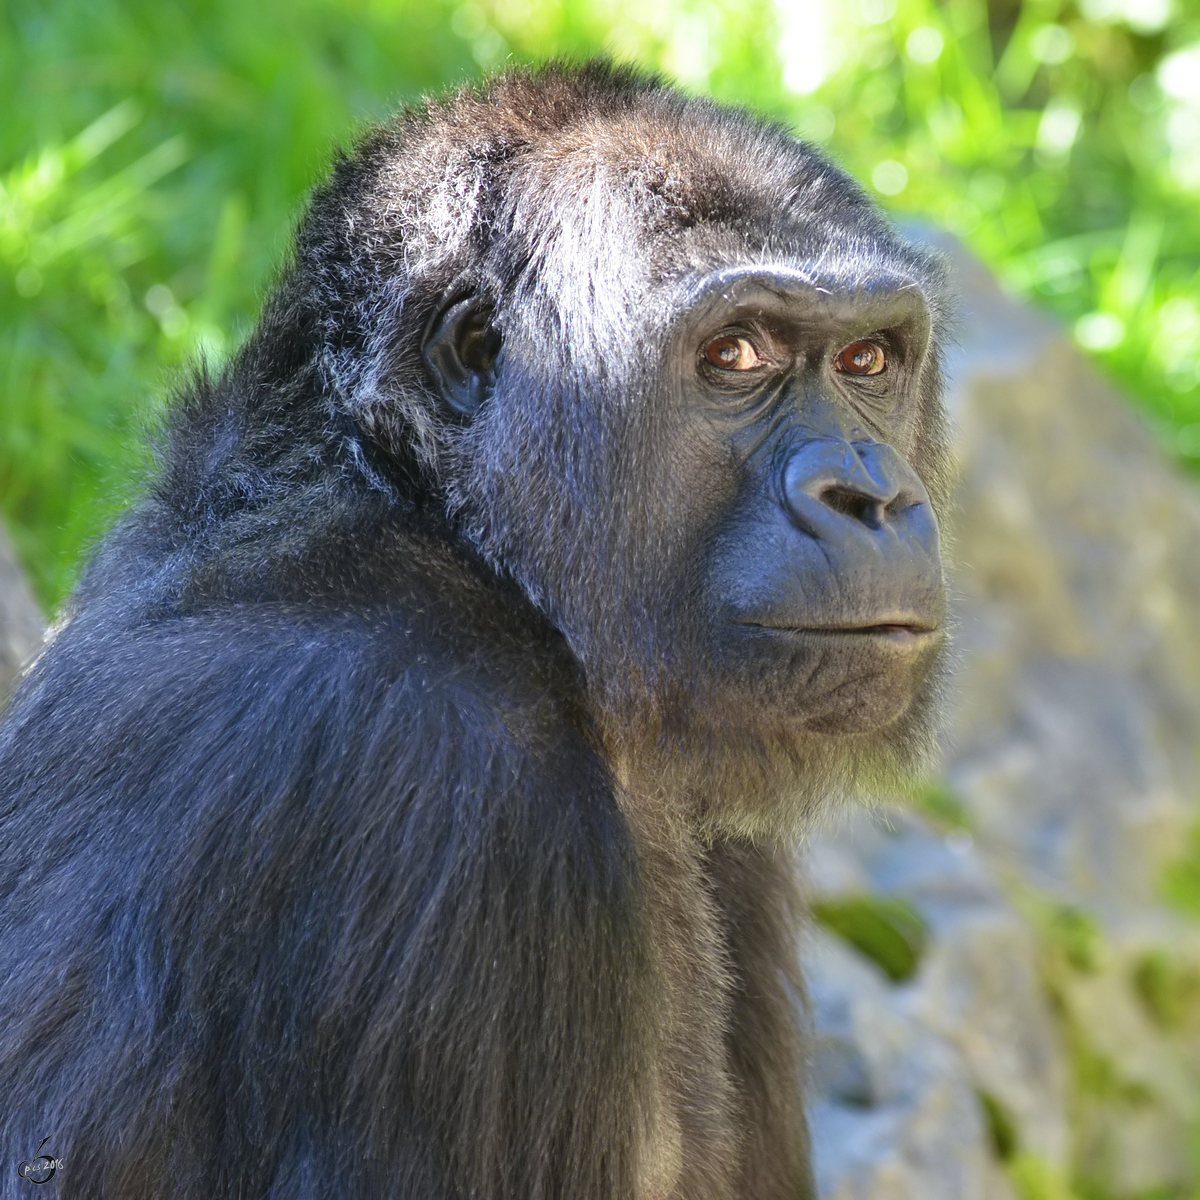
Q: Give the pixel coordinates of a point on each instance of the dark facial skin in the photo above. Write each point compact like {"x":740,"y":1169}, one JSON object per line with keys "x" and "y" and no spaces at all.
{"x":824,"y":575}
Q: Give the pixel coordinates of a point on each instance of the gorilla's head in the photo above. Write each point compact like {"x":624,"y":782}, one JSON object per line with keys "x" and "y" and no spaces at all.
{"x":672,"y":372}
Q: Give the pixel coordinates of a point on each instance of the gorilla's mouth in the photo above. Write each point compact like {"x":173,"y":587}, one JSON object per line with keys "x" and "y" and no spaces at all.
{"x":891,"y":629}
{"x":902,"y":628}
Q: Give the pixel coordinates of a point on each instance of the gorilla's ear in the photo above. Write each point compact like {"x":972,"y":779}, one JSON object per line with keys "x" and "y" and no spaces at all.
{"x":460,"y":349}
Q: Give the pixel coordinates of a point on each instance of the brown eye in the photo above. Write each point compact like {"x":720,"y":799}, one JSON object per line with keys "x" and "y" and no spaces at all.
{"x":861,"y":358}
{"x":732,"y":353}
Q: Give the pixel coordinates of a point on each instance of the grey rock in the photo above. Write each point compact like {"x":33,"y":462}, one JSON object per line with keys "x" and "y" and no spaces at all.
{"x":1077,"y":714}
{"x":978,"y":988}
{"x":896,"y":1115}
{"x":1139,"y":1137}
{"x":21,"y":623}
{"x":1077,"y":709}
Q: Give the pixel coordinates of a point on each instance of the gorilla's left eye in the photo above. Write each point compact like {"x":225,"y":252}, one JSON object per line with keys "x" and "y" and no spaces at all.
{"x":732,"y":353}
{"x":861,"y":358}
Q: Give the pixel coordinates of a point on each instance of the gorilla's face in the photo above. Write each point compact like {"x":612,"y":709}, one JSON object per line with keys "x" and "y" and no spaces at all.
{"x":797,"y":406}
{"x":708,"y":455}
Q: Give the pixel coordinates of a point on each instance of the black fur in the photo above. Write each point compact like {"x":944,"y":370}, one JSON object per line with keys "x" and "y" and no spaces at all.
{"x":338,"y":854}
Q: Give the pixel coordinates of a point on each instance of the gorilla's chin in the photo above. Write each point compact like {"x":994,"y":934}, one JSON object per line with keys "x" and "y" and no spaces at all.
{"x":858,"y":683}
{"x":826,"y":681}
{"x":758,"y":754}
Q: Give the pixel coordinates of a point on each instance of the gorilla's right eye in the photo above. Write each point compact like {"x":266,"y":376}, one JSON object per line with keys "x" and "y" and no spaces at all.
{"x":861,"y":358}
{"x":732,"y":353}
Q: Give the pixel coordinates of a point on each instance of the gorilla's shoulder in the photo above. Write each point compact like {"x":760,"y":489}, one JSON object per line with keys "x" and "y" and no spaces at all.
{"x":253,"y":707}
{"x":415,"y":620}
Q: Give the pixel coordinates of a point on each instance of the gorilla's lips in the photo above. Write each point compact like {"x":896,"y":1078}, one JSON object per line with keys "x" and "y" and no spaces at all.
{"x":895,"y":628}
{"x":909,"y":630}
{"x":915,"y":632}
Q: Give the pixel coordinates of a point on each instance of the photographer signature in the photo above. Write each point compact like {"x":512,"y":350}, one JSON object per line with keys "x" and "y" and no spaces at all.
{"x":40,"y":1168}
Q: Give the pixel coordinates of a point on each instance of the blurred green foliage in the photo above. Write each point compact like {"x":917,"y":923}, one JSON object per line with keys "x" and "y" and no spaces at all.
{"x":887,"y":929}
{"x":1181,"y":879}
{"x":939,"y":803}
{"x":1169,"y":989}
{"x":1070,"y":936}
{"x":154,"y":157}
{"x":1001,"y":1126}
{"x":1035,"y":1179}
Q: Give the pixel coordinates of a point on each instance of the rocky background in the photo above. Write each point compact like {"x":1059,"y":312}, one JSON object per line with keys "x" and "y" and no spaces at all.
{"x":1005,"y":967}
{"x":21,"y":622}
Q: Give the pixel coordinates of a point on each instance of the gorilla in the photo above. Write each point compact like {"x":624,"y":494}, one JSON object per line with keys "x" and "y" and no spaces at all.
{"x":402,"y":806}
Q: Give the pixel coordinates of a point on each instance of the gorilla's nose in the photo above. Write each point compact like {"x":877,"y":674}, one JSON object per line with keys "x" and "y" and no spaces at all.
{"x":829,"y":481}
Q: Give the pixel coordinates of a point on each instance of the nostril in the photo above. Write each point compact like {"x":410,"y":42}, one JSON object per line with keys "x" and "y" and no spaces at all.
{"x":867,"y":510}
